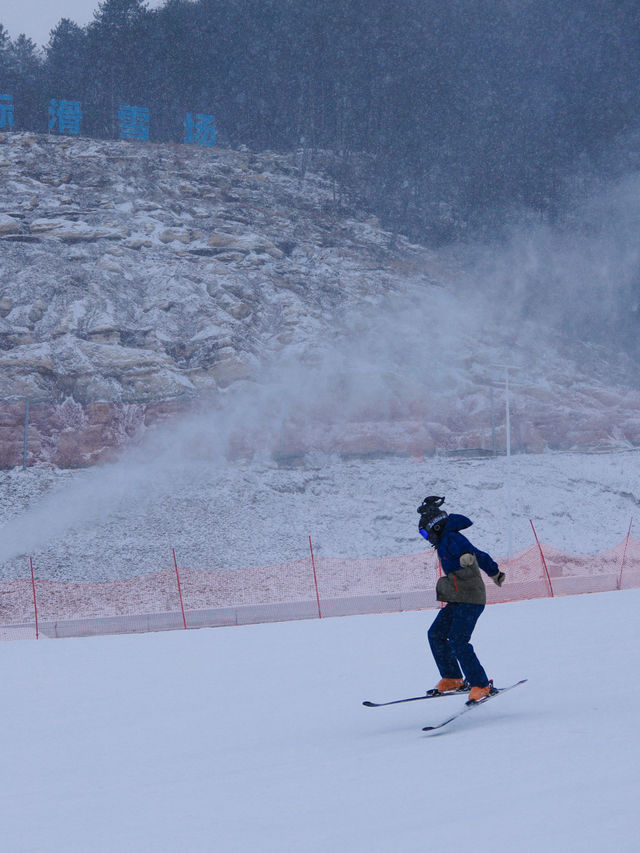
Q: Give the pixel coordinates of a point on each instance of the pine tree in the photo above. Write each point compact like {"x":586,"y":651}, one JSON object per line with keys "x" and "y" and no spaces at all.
{"x":66,"y":64}
{"x":117,"y":47}
{"x":25,"y":81}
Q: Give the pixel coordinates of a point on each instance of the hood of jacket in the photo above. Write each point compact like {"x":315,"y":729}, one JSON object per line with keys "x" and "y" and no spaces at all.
{"x":455,"y":522}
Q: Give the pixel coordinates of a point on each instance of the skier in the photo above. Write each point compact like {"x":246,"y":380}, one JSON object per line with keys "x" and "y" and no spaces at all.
{"x":463,"y":590}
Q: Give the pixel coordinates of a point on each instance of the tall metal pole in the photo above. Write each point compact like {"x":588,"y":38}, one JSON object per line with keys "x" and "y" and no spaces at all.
{"x":493,"y":425}
{"x":25,"y":442}
{"x":508,"y":471}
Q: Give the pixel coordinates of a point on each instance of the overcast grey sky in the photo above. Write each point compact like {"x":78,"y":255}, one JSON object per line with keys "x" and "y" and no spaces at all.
{"x":36,"y":18}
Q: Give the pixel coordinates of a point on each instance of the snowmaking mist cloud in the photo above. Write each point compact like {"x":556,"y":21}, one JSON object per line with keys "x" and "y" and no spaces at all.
{"x":578,"y":277}
{"x":380,"y":356}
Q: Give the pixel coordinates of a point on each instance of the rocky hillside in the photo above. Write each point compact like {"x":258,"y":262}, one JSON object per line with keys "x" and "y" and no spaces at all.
{"x":140,"y":280}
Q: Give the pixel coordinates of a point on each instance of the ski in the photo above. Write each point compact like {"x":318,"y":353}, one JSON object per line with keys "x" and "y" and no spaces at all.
{"x":468,"y":706}
{"x":368,"y":704}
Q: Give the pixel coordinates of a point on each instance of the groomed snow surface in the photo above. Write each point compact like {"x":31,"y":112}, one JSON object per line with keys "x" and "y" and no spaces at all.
{"x":255,"y":739}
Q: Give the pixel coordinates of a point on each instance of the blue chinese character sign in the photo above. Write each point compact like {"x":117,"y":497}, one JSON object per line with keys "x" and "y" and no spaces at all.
{"x":201,"y":130}
{"x":67,"y":115}
{"x":134,"y":122}
{"x":6,"y":110}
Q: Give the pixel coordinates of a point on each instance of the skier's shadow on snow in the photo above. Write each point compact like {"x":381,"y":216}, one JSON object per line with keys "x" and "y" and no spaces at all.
{"x":488,"y":723}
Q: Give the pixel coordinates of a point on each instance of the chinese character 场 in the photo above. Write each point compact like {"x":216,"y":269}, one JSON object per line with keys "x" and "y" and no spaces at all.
{"x":6,"y":110}
{"x":134,"y":122}
{"x":201,"y":130}
{"x":67,"y":115}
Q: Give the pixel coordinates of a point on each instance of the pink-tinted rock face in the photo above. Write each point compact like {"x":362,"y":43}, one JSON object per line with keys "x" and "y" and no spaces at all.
{"x":72,"y":434}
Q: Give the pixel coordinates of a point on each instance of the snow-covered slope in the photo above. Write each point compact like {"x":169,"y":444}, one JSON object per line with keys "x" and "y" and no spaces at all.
{"x":122,"y":520}
{"x":255,"y":738}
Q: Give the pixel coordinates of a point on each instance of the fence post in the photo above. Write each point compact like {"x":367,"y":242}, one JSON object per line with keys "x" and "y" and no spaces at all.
{"x":315,"y":578}
{"x":175,"y":563}
{"x":544,"y":562}
{"x":35,"y":603}
{"x":619,"y":584}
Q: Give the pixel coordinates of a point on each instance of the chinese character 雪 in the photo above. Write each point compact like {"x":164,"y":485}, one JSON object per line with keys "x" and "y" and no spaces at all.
{"x":134,"y":122}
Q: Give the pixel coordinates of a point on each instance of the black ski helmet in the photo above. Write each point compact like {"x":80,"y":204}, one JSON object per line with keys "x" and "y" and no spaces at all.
{"x":432,"y":516}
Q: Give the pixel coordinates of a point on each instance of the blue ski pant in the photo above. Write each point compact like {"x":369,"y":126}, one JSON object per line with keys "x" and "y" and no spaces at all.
{"x":449,"y":637}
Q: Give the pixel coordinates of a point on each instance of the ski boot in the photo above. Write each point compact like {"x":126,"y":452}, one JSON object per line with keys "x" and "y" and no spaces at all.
{"x":477,"y":694}
{"x":449,"y":685}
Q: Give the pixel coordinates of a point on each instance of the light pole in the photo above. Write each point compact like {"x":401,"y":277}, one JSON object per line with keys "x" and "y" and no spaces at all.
{"x":508,"y":469}
{"x":507,"y":476}
{"x":25,"y":441}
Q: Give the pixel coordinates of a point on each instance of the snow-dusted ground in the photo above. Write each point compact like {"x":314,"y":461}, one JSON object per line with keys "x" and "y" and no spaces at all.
{"x":254,"y":738}
{"x":121,"y":520}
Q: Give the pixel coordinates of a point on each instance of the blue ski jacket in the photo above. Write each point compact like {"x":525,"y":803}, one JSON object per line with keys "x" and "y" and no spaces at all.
{"x":453,"y":545}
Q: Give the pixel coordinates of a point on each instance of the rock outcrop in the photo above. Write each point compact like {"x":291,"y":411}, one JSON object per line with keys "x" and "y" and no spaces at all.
{"x":138,"y":278}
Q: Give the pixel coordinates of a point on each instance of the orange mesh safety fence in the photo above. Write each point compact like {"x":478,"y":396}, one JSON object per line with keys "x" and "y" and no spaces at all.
{"x":526,"y":578}
{"x":157,"y":600}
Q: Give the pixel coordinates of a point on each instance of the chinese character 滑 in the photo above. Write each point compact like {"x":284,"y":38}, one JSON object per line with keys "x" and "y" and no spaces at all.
{"x":201,"y":130}
{"x":134,"y":122}
{"x":6,"y":110}
{"x":66,"y":114}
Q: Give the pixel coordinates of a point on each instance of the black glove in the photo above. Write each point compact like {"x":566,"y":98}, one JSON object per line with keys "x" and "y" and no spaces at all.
{"x":499,"y":578}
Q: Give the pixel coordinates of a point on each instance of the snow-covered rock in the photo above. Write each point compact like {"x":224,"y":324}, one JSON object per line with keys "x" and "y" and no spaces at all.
{"x":70,"y":231}
{"x":8,"y":225}
{"x":136,"y":274}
